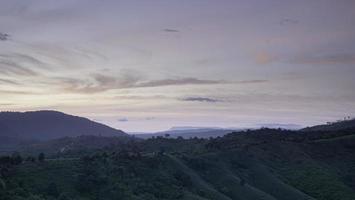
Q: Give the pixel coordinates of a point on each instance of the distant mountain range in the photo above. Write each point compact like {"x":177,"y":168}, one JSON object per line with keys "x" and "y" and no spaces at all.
{"x":46,"y":125}
{"x":207,"y":132}
{"x":188,"y":132}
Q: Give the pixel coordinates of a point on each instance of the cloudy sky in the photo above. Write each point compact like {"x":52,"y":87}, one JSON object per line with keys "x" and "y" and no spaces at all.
{"x":150,"y":65}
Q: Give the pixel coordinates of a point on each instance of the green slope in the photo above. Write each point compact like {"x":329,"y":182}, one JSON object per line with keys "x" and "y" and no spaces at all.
{"x":198,"y":182}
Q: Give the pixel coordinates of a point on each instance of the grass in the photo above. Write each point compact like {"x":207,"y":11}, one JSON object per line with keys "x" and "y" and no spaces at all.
{"x":319,"y":182}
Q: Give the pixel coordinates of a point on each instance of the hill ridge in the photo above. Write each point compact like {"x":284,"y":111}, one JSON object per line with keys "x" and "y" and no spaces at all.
{"x":49,"y":124}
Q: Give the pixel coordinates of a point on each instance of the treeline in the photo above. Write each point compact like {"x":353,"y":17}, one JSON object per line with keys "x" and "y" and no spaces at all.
{"x":16,"y":159}
{"x":7,"y":164}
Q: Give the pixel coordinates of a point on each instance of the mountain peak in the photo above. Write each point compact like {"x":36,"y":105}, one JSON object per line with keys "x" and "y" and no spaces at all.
{"x":50,"y":124}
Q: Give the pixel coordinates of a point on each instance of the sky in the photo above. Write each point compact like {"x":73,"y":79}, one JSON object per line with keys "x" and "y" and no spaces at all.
{"x":150,"y":65}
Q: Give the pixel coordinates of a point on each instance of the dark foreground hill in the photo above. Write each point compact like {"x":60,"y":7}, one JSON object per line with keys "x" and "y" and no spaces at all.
{"x":45,"y":125}
{"x":265,"y":164}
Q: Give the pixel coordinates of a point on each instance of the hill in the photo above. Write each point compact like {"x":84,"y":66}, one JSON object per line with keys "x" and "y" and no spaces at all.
{"x":263,"y":164}
{"x":333,"y":126}
{"x":46,"y":125}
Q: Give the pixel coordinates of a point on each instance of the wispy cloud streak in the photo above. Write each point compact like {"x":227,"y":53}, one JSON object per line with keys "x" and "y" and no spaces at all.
{"x":11,"y":82}
{"x":200,"y":99}
{"x":171,"y":30}
{"x":4,"y":36}
{"x":101,"y":83}
{"x":325,"y":59}
{"x":19,"y":64}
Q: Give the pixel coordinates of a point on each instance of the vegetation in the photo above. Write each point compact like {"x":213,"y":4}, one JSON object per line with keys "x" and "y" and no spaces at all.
{"x":265,"y":164}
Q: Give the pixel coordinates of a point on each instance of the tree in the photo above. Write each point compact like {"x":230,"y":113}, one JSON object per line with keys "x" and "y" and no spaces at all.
{"x":30,"y":159}
{"x":41,"y":157}
{"x":35,"y":197}
{"x":5,"y":160}
{"x":16,"y":159}
{"x":161,"y":151}
{"x":52,"y":190}
{"x":64,"y":196}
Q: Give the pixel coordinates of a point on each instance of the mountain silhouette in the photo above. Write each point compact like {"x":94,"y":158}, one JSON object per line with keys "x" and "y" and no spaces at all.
{"x":45,"y":125}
